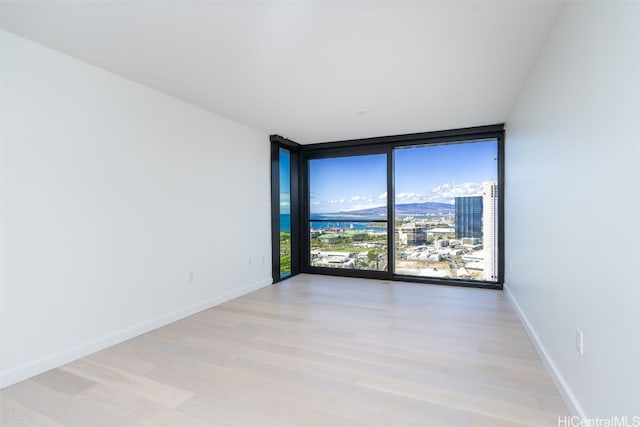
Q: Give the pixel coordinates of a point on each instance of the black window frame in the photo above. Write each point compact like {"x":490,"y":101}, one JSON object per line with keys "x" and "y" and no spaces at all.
{"x":277,"y":143}
{"x":376,"y":145}
{"x":305,"y":239}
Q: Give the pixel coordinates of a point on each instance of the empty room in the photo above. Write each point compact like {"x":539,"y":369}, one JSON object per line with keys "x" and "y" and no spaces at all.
{"x":319,"y":213}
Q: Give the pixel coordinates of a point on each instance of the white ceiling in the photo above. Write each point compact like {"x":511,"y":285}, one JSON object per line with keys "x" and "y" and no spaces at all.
{"x":312,"y":71}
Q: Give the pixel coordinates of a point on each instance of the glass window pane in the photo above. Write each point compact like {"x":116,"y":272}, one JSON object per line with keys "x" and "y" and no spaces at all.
{"x":446,"y":211}
{"x":285,"y":213}
{"x":348,"y":187}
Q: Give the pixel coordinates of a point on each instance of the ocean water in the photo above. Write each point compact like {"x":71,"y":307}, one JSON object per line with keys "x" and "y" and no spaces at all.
{"x":342,"y":223}
{"x":346,"y":225}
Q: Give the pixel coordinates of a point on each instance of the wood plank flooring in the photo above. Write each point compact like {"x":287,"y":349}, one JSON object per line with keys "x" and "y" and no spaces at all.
{"x":310,"y":351}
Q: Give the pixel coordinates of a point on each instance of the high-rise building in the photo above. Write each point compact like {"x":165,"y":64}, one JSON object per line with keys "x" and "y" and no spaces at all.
{"x":410,"y":234}
{"x":490,"y":229}
{"x":469,"y":217}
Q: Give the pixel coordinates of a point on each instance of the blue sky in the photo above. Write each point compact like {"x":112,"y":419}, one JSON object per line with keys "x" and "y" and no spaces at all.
{"x":422,"y":174}
{"x":285,"y":182}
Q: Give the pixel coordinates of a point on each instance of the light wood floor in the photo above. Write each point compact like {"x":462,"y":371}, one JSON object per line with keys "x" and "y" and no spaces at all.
{"x":311,"y":351}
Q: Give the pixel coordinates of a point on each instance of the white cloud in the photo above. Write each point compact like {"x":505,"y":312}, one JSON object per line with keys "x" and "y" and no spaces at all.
{"x":360,"y":206}
{"x":383,"y":195}
{"x":409,"y":196}
{"x":448,"y":192}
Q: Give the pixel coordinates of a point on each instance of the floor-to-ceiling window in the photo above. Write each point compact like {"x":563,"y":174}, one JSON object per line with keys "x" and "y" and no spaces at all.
{"x":424,"y":207}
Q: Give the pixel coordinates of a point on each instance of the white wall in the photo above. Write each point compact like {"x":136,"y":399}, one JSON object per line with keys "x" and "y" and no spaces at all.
{"x":573,"y":204}
{"x":111,"y":194}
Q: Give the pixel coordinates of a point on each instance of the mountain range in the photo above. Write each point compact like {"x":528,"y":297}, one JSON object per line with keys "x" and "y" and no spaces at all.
{"x":408,"y":209}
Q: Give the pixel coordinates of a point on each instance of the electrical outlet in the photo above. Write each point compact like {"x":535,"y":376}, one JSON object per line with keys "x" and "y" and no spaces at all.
{"x":249,"y":261}
{"x":579,"y":341}
{"x":190,"y":277}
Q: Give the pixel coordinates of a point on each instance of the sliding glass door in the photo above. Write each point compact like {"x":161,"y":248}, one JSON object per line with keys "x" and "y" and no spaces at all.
{"x":446,"y":211}
{"x":348,"y":224}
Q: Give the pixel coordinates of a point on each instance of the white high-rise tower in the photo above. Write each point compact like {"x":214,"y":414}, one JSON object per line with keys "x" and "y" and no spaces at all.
{"x":490,"y":229}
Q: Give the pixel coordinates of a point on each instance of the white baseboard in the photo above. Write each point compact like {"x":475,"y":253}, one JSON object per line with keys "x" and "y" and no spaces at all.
{"x":55,"y":360}
{"x":565,"y":391}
